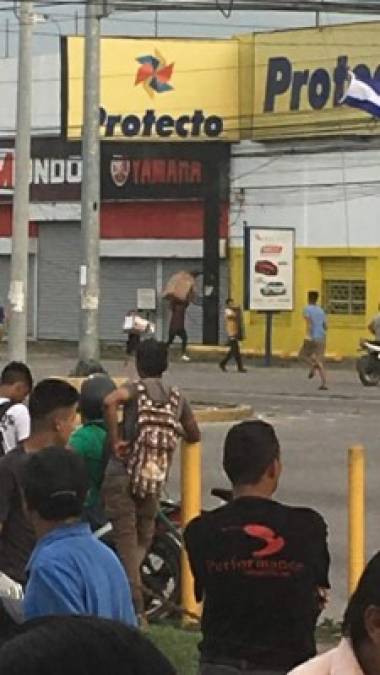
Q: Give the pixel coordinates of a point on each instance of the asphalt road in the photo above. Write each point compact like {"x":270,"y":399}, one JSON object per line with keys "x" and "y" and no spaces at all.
{"x":315,"y":429}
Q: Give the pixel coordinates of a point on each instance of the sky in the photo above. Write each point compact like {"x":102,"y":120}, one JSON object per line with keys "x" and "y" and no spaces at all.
{"x":59,"y":18}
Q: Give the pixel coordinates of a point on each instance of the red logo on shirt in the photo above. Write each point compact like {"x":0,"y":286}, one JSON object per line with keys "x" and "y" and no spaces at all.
{"x":272,"y":543}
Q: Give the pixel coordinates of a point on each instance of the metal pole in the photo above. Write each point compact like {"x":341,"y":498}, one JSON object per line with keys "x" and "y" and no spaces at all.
{"x":6,"y":48}
{"x":211,"y":253}
{"x":268,"y":338}
{"x":156,"y":25}
{"x":191,"y":501}
{"x":90,"y":233}
{"x":18,"y":288}
{"x":356,"y":515}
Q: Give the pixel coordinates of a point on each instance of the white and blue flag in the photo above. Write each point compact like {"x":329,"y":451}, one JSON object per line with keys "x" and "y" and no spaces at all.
{"x":363,"y":93}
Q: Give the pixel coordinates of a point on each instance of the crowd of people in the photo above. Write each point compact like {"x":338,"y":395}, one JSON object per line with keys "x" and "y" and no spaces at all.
{"x":260,"y":567}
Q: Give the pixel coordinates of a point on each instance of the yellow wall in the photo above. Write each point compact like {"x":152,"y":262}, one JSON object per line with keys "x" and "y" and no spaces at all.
{"x":288,"y":327}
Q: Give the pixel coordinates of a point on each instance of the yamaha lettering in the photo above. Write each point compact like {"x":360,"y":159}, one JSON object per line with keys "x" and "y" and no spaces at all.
{"x":164,"y":126}
{"x":129,"y":171}
{"x":321,"y":86}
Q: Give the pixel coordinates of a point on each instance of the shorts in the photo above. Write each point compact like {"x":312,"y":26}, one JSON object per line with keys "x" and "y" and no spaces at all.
{"x":313,"y":349}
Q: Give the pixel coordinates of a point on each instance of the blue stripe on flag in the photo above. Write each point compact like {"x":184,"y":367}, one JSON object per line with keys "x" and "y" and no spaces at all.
{"x":368,"y":106}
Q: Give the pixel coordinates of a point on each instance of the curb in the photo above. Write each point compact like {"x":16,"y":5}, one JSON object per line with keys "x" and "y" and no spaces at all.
{"x":207,"y":413}
{"x":216,"y":414}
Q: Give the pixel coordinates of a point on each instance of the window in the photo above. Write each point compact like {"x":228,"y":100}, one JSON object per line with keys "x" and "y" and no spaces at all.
{"x":345,"y":297}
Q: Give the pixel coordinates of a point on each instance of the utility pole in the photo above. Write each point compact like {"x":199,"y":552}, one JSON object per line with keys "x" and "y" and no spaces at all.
{"x":6,"y":47}
{"x":211,"y":255}
{"x":89,"y":352}
{"x":18,"y":288}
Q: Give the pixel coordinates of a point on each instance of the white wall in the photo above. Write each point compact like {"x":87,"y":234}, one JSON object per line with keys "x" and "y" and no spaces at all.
{"x":46,"y":95}
{"x":332,"y":199}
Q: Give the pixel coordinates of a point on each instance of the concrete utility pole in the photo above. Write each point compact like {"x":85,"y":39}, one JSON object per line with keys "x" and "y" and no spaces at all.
{"x":18,"y":288}
{"x":90,"y":232}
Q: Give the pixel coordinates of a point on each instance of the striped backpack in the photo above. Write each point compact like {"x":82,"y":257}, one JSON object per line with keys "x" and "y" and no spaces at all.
{"x":157,"y":433}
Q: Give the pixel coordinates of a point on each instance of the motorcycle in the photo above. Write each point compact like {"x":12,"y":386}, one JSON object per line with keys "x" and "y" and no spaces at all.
{"x":368,"y":365}
{"x":161,"y":569}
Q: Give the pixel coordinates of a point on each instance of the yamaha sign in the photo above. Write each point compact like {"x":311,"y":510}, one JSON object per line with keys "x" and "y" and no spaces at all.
{"x":128,"y":171}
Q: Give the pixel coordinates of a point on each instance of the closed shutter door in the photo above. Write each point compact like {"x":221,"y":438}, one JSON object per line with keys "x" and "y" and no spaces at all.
{"x":119,"y":280}
{"x":194,"y":314}
{"x":58,"y":281}
{"x":5,"y":268}
{"x":344,"y":269}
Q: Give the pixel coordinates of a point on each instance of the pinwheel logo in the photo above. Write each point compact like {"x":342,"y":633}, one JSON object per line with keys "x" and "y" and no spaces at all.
{"x":154,"y":74}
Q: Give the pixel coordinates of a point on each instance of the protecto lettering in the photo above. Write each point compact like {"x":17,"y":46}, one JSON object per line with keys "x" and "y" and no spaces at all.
{"x":320,"y":85}
{"x":163,"y":126}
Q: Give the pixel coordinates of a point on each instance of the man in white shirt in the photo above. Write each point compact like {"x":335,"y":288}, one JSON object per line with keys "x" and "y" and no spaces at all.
{"x":16,"y":383}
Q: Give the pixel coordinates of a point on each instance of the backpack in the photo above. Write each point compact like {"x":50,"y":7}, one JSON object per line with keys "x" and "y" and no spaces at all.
{"x":157,"y":433}
{"x":4,"y":407}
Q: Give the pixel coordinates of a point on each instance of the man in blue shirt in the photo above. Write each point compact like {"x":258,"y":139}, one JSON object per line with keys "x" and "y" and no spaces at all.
{"x":313,"y":349}
{"x":70,"y":571}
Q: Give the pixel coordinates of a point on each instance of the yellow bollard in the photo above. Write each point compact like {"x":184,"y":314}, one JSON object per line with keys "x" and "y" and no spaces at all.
{"x":356,"y":515}
{"x":191,"y":500}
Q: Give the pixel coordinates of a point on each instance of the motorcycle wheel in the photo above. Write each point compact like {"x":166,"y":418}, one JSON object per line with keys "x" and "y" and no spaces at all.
{"x":368,"y":376}
{"x":161,"y":575}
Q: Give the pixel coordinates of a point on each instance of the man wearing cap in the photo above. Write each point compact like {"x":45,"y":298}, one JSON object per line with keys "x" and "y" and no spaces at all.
{"x":260,"y":567}
{"x":70,"y":571}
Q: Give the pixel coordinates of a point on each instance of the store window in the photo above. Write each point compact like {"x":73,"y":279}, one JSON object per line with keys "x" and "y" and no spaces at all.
{"x":344,"y":286}
{"x":345,"y":297}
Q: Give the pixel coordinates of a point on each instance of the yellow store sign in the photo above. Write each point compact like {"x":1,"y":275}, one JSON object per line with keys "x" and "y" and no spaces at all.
{"x":161,"y":90}
{"x":299,"y":78}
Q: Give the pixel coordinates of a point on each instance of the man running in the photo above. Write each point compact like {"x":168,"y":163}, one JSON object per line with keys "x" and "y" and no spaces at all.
{"x":232,"y":317}
{"x":178,"y":308}
{"x":314,"y":346}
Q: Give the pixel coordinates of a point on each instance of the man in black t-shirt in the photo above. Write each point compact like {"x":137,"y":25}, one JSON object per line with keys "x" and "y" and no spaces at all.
{"x":260,"y":567}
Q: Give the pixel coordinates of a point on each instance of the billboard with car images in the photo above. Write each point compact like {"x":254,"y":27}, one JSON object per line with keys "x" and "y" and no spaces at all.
{"x":269,"y":269}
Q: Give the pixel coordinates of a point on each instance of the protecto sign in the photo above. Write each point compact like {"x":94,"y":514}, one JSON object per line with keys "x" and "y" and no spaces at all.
{"x":150,"y":125}
{"x":300,"y":77}
{"x":157,"y":90}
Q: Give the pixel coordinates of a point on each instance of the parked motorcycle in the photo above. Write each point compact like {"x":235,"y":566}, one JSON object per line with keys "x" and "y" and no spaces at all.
{"x":368,"y":365}
{"x":161,"y":569}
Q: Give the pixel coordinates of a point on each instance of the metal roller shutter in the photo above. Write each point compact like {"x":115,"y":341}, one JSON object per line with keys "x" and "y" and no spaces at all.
{"x":343,"y":268}
{"x":119,"y":280}
{"x":5,"y":267}
{"x":194,"y":316}
{"x":58,"y":281}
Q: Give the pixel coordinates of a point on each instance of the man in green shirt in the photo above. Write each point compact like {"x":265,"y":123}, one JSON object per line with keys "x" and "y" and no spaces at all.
{"x":89,"y":439}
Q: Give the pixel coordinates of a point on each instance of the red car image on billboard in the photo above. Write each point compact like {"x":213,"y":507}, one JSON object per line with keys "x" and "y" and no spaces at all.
{"x":266,"y":267}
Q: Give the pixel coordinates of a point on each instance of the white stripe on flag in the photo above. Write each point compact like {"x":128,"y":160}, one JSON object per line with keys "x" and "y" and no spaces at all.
{"x":361,"y":92}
